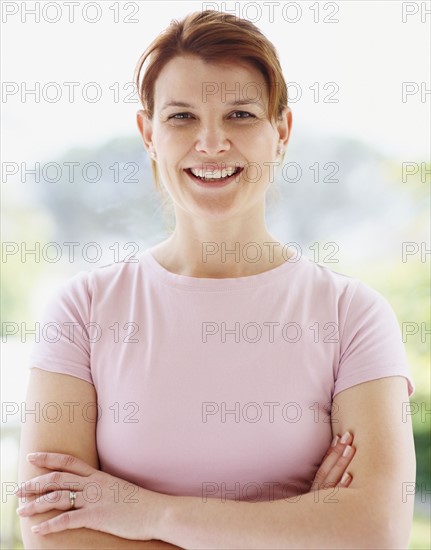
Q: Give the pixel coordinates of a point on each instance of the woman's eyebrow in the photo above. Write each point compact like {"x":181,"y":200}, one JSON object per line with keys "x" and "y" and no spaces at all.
{"x":173,"y":103}
{"x":176,"y":104}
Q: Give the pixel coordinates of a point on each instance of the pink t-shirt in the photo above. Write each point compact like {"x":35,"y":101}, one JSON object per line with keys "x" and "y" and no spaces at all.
{"x":218,"y":387}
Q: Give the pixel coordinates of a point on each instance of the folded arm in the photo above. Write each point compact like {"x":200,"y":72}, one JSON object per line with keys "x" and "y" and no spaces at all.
{"x":78,"y":438}
{"x":371,"y":513}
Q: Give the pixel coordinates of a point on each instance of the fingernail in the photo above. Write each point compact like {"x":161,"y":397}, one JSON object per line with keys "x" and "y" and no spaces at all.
{"x":31,"y":457}
{"x":347,"y":450}
{"x":35,"y":528}
{"x":335,"y":441}
{"x":345,"y":437}
{"x":345,"y":478}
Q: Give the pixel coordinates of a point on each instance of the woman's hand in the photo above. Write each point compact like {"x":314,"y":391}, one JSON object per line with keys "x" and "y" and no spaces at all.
{"x":103,"y":502}
{"x":332,"y":471}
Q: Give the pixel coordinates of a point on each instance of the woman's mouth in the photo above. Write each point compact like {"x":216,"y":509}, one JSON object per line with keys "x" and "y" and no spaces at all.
{"x":215,"y":178}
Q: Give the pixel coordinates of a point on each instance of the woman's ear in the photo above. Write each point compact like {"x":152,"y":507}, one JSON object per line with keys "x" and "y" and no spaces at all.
{"x":284,"y":126}
{"x":145,"y":128}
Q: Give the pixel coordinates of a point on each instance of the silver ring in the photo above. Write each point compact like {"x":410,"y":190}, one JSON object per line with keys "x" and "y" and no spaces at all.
{"x":72,"y":498}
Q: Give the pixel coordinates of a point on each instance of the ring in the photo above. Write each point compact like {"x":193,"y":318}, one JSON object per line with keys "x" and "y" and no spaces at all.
{"x":72,"y":498}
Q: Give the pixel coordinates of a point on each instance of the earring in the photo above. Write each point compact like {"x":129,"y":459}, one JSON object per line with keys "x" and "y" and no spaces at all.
{"x":152,"y":154}
{"x":279,"y":150}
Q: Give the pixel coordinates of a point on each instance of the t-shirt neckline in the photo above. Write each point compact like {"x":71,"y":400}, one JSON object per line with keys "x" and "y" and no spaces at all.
{"x":226,"y":283}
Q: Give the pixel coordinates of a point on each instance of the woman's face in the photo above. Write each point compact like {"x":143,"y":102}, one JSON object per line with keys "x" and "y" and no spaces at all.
{"x":196,"y":124}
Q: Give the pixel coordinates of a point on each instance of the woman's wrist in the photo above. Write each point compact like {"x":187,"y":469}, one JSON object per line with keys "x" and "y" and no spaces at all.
{"x":163,"y":508}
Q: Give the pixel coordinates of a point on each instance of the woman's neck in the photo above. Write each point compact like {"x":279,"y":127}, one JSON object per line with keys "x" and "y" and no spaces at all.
{"x":221,"y":260}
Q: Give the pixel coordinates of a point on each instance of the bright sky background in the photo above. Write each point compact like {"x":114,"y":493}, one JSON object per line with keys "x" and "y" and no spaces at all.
{"x":368,"y":53}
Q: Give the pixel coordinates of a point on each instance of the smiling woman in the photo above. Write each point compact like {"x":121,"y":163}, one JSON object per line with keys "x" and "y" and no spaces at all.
{"x":194,"y":149}
{"x":199,"y":421}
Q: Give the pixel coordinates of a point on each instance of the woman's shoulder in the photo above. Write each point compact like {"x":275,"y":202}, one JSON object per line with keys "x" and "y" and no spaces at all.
{"x":347,"y":290}
{"x":86,"y":284}
{"x":327,"y":276}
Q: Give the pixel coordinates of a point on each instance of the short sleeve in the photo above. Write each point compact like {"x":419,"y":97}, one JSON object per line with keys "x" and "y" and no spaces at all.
{"x":63,"y":343}
{"x":371,"y":344}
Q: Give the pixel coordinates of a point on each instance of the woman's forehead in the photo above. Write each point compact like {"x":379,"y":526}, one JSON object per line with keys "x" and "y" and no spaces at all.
{"x":183,"y":78}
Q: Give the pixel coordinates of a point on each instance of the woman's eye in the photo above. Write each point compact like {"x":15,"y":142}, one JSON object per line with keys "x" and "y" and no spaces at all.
{"x":249,"y":115}
{"x":179,"y":116}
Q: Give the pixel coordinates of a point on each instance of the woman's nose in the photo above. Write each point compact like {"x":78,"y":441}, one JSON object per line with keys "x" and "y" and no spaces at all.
{"x":212,"y":139}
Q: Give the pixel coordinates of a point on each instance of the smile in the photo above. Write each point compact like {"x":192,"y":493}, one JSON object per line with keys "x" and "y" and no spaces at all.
{"x":215,"y":178}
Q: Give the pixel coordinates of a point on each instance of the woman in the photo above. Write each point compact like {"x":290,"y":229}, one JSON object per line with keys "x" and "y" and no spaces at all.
{"x":215,"y":371}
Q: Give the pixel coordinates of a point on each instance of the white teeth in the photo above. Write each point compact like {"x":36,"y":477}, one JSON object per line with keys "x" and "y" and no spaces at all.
{"x":213,"y":174}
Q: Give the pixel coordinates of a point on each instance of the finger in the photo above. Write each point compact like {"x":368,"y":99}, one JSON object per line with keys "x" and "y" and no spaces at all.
{"x":73,"y":519}
{"x":335,"y":474}
{"x":322,"y":473}
{"x":57,"y":500}
{"x":329,"y":462}
{"x":62,"y":462}
{"x":346,"y":480}
{"x":336,"y":440}
{"x":53,"y":481}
